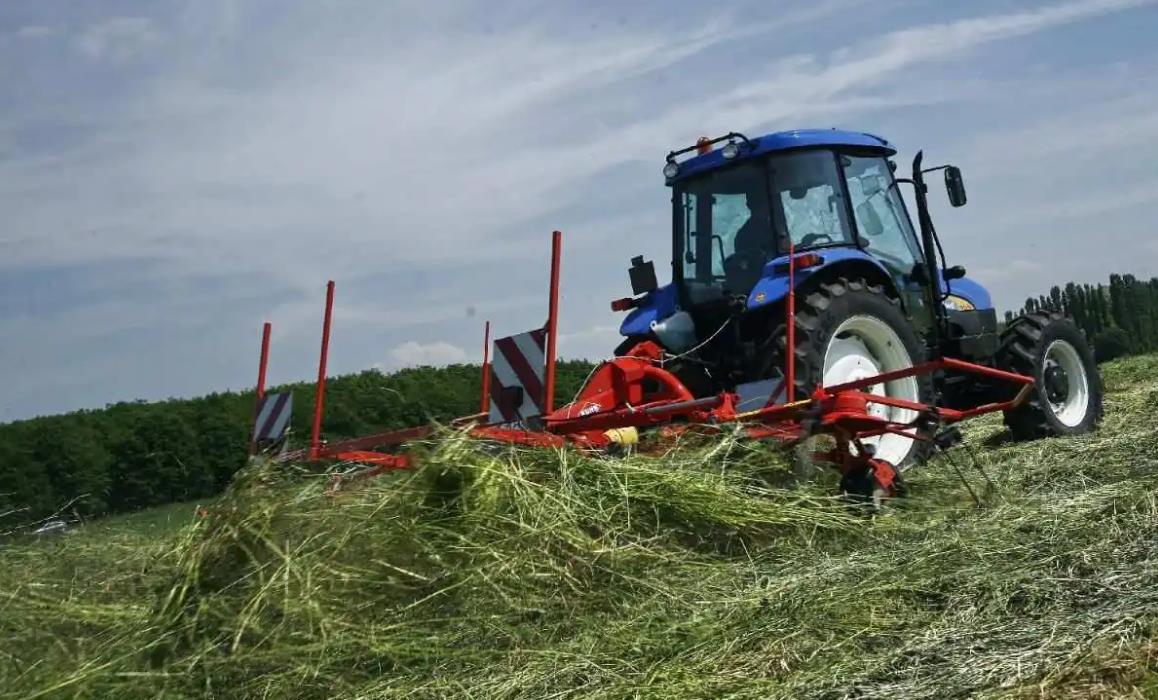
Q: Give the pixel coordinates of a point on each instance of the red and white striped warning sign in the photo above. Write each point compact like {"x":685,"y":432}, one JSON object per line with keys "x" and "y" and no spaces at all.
{"x":273,"y":417}
{"x":518,"y":367}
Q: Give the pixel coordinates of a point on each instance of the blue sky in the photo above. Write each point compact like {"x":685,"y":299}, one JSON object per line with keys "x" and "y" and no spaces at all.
{"x":174,"y":173}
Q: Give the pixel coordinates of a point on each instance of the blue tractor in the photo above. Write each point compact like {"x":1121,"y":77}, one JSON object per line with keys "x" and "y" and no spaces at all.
{"x":873,"y":294}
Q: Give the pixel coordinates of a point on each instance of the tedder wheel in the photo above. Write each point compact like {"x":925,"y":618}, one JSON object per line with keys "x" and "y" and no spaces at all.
{"x":848,"y":330}
{"x":1067,"y":396}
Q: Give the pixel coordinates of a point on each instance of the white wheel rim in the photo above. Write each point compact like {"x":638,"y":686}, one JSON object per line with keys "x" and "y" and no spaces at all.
{"x":865,"y":346}
{"x":1071,"y":409}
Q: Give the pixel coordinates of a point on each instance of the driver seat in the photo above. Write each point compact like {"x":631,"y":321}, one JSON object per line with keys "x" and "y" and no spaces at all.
{"x":753,"y":246}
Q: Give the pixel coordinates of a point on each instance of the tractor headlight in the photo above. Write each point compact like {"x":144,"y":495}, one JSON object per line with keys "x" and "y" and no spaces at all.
{"x":956,"y":303}
{"x":671,"y":170}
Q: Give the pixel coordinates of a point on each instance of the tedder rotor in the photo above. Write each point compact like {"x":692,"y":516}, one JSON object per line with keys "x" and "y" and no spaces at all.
{"x":803,"y":303}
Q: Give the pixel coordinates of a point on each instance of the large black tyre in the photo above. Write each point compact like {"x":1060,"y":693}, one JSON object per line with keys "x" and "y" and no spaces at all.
{"x":843,"y":304}
{"x":1067,"y":394}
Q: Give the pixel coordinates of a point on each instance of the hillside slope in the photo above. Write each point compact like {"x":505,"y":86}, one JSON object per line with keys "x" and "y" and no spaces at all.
{"x":496,"y":573}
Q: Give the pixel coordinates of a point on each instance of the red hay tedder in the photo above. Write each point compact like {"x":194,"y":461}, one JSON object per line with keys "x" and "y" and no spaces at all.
{"x":635,"y":392}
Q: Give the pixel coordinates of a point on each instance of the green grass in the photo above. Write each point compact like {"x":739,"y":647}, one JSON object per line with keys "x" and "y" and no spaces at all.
{"x":704,"y":572}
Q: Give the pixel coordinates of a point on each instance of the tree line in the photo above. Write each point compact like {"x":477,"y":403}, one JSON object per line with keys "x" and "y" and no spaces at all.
{"x":132,"y":455}
{"x":1120,"y":318}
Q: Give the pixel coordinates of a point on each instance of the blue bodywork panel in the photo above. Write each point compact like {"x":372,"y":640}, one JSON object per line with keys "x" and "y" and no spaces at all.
{"x":773,"y":285}
{"x":656,"y":306}
{"x":969,"y":290}
{"x":783,"y":141}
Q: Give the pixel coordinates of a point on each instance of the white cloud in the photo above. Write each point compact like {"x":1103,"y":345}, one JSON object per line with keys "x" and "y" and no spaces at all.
{"x":595,"y":342}
{"x":1008,"y":270}
{"x":382,"y":148}
{"x":36,"y":31}
{"x":415,"y":354}
{"x":440,"y":150}
{"x":801,"y":83}
{"x":118,"y":40}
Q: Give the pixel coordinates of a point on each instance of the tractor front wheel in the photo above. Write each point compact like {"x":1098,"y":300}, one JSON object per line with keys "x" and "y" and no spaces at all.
{"x":1067,"y":393}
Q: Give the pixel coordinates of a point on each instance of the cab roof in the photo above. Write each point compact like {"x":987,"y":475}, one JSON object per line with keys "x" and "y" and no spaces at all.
{"x":784,"y":141}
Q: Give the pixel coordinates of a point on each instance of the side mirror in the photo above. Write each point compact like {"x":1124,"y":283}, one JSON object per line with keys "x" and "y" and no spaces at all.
{"x":869,"y":220}
{"x":642,"y":276}
{"x":870,"y":185}
{"x":953,"y":273}
{"x":955,"y":186}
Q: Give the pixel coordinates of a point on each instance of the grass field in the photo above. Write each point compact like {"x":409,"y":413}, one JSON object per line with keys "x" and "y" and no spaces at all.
{"x":703,"y":573}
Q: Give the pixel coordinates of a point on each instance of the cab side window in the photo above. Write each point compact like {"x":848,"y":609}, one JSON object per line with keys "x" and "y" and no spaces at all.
{"x":882,"y":225}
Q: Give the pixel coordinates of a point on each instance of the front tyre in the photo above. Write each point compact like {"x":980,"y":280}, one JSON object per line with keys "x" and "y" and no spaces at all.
{"x":1067,"y":393}
{"x":849,"y":330}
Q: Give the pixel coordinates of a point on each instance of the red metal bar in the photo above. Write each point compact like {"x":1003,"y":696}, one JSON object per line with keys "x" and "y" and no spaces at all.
{"x":382,"y":462}
{"x":785,"y":431}
{"x":552,"y":323}
{"x":1001,"y":406}
{"x":961,"y":365}
{"x":264,"y":362}
{"x":485,"y":403}
{"x":648,"y":414}
{"x":923,"y":368}
{"x":891,"y":401}
{"x":259,"y":394}
{"x":788,"y":411}
{"x":320,"y":396}
{"x":781,"y":412}
{"x":520,"y":437}
{"x":954,"y":415}
{"x":387,"y":439}
{"x":929,"y":367}
{"x":790,"y":360}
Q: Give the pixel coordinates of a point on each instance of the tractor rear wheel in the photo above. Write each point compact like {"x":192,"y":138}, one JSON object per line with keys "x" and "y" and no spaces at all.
{"x":1067,"y":394}
{"x":849,"y":330}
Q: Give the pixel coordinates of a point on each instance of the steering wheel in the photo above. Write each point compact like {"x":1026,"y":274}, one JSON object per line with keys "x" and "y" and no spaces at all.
{"x":814,"y":238}
{"x":743,"y":269}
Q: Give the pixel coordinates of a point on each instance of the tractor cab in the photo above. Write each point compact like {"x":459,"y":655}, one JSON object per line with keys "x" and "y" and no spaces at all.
{"x":733,"y":216}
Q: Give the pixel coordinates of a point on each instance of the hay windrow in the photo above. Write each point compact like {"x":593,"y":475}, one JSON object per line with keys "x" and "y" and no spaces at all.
{"x":705,"y":571}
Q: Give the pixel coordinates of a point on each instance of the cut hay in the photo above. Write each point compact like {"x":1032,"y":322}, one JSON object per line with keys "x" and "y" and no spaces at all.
{"x":494,"y":572}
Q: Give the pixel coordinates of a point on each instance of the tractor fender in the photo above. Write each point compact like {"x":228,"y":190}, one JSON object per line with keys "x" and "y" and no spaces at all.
{"x":851,"y":263}
{"x":653,"y":308}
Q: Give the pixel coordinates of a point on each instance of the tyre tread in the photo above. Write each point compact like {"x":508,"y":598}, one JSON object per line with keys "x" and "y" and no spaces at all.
{"x":809,"y":349}
{"x":1020,"y":346}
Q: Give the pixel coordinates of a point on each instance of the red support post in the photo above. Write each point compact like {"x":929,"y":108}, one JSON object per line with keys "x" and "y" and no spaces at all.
{"x":485,"y":403}
{"x":790,"y":359}
{"x":320,"y":397}
{"x":262,"y":364}
{"x":552,"y":323}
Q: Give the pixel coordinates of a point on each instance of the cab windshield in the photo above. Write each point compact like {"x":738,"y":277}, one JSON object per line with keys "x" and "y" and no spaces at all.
{"x":729,"y":222}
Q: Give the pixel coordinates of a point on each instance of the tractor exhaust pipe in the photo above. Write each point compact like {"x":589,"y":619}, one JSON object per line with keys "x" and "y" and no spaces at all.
{"x":929,"y":244}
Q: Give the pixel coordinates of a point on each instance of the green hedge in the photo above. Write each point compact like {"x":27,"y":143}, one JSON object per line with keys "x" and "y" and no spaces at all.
{"x":133,"y":455}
